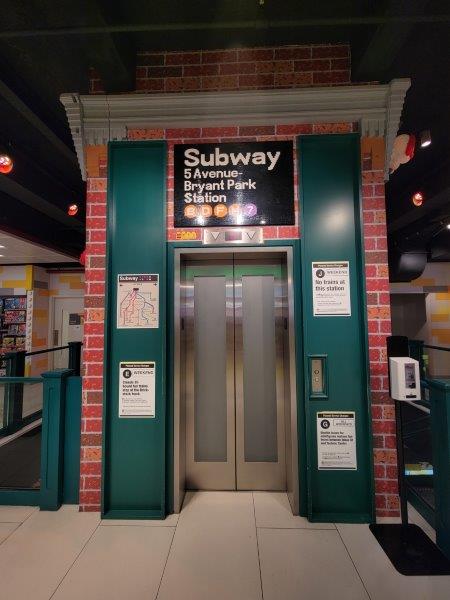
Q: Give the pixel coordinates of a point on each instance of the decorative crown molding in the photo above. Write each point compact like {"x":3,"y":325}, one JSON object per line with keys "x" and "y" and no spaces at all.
{"x":98,"y":119}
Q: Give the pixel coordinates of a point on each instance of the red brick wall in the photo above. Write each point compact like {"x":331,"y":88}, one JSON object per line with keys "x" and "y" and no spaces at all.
{"x":286,"y":67}
{"x":244,"y":69}
{"x":228,"y":134}
{"x":379,"y":326}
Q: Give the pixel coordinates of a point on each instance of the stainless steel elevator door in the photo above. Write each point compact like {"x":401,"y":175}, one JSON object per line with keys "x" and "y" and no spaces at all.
{"x":232,"y":311}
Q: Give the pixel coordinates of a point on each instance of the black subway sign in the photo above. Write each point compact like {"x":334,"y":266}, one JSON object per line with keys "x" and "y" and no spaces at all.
{"x":246,"y":183}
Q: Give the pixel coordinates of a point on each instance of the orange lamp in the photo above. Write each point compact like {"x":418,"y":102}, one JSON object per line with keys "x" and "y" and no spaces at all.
{"x":6,"y":164}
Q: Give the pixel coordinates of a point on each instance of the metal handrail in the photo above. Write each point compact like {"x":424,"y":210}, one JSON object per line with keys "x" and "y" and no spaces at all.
{"x":436,"y":347}
{"x":44,"y":351}
{"x":20,"y":380}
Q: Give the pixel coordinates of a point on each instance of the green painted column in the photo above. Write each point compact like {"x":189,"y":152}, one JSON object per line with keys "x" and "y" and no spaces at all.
{"x":52,"y":440}
{"x":331,"y":226}
{"x":72,"y":440}
{"x":134,"y":448}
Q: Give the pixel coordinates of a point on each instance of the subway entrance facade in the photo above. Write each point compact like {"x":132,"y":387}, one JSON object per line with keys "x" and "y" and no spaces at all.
{"x":237,"y":297}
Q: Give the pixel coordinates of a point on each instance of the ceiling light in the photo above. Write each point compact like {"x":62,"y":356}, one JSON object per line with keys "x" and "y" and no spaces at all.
{"x":2,"y":246}
{"x":417,"y":199}
{"x":72,"y":210}
{"x":425,"y":138}
{"x":6,"y":164}
{"x":448,"y":225}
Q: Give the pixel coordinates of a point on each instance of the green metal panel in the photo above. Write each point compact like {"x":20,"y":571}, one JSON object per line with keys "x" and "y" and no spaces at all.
{"x":134,"y":448}
{"x":296,"y":267}
{"x":72,"y":439}
{"x":440,"y":430}
{"x":52,"y":440}
{"x":331,"y":231}
{"x":19,"y":497}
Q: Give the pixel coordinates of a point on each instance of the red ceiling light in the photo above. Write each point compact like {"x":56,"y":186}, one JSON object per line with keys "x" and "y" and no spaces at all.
{"x":72,"y":210}
{"x":6,"y":164}
{"x":417,"y":199}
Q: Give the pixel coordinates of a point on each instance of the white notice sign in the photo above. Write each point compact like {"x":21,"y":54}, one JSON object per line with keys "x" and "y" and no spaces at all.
{"x":138,"y":301}
{"x":331,"y":289}
{"x":137,"y":389}
{"x":336,"y":441}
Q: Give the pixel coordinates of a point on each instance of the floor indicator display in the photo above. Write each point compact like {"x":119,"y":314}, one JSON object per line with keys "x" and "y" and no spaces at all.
{"x":138,"y":301}
{"x":137,"y":389}
{"x":336,"y":440}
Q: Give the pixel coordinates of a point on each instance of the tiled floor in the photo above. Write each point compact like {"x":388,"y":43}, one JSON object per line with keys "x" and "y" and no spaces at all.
{"x":223,"y":546}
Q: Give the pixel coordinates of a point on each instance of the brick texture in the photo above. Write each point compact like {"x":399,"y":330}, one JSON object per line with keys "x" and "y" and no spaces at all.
{"x":379,"y":326}
{"x":242,"y":69}
{"x":233,"y":69}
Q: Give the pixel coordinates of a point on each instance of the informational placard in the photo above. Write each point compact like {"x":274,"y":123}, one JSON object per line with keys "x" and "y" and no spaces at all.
{"x":137,"y":389}
{"x":331,"y":289}
{"x":336,"y":441}
{"x":246,"y":183}
{"x":138,"y":301}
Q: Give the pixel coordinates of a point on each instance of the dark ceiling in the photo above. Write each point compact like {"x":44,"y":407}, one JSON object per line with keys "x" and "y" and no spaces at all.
{"x":48,"y":46}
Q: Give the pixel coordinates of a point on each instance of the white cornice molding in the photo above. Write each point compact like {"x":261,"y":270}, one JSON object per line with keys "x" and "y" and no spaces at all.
{"x":98,"y":119}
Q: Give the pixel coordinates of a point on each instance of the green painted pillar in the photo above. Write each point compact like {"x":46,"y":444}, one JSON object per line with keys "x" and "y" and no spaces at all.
{"x":133,"y":483}
{"x":331,"y":232}
{"x":52,"y":440}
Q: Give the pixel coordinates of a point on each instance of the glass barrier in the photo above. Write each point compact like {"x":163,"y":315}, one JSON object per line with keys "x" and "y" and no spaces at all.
{"x":436,"y":362}
{"x":418,"y":450}
{"x":20,"y":434}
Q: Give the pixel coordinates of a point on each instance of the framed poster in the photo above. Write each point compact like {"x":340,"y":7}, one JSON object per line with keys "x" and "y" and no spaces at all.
{"x":138,"y":301}
{"x":137,"y":389}
{"x":331,"y":289}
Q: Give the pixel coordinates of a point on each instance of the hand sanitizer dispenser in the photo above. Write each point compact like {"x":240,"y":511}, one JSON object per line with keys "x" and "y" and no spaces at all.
{"x":405,"y":378}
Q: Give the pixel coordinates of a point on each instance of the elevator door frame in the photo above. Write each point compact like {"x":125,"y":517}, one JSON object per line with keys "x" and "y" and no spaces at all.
{"x":291,"y":436}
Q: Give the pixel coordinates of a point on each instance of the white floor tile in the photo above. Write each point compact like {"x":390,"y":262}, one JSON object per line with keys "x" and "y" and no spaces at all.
{"x":272,"y":509}
{"x":37,"y":556}
{"x":169,"y":521}
{"x":119,"y":563}
{"x":6,"y":529}
{"x":382,"y":581}
{"x":309,"y":564}
{"x":16,"y":514}
{"x":214,"y":552}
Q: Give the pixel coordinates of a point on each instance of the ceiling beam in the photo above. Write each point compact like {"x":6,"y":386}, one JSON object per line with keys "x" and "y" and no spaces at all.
{"x":389,"y":37}
{"x":439,"y":201}
{"x":217,"y":25}
{"x":19,"y":192}
{"x":17,"y":103}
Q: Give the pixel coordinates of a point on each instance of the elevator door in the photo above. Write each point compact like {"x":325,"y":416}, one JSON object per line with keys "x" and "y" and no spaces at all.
{"x":233,"y":327}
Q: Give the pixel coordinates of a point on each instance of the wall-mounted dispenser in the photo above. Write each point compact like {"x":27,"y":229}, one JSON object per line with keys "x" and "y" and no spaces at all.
{"x":405,"y":378}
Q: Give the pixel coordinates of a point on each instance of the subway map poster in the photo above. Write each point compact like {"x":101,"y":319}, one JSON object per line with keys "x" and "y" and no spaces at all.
{"x":138,"y":301}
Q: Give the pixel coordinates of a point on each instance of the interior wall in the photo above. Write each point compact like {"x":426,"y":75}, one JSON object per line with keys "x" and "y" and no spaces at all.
{"x":421,"y":311}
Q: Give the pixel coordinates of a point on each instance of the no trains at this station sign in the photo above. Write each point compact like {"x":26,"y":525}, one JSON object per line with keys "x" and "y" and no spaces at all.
{"x":248,"y":183}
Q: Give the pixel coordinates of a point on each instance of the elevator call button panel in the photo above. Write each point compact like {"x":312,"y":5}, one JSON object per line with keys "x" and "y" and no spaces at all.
{"x":318,"y":377}
{"x":317,"y":386}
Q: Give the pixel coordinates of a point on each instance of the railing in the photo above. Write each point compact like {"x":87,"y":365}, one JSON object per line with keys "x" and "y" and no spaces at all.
{"x":40,"y":463}
{"x":434,"y":361}
{"x":15,"y":361}
{"x":17,"y":395}
{"x":425,"y":427}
